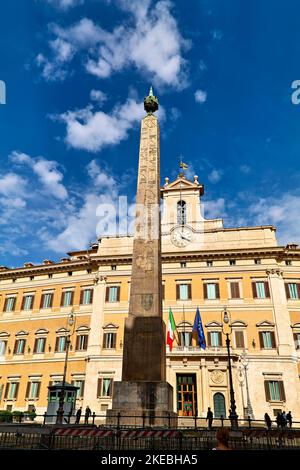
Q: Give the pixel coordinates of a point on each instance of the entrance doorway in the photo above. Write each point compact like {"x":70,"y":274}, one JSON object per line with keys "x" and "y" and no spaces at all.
{"x":219,"y":405}
{"x":186,"y":395}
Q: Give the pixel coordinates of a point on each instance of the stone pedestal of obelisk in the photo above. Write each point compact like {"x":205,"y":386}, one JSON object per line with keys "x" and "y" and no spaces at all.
{"x":143,"y":397}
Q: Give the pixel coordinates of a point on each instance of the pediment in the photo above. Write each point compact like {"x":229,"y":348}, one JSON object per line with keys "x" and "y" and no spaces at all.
{"x":181,"y":183}
{"x":213,"y":324}
{"x":184,"y":325}
{"x":238,"y":323}
{"x":265,"y":323}
{"x":110,"y":326}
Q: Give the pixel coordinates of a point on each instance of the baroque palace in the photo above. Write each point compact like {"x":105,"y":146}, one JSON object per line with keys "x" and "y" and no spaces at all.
{"x":203,"y":265}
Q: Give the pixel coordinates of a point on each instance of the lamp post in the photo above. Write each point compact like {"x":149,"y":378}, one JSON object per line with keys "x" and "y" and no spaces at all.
{"x":232,"y":415}
{"x":60,"y":410}
{"x":245,"y":362}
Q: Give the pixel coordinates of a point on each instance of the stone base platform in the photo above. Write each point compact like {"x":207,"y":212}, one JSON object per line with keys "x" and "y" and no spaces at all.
{"x":142,"y":404}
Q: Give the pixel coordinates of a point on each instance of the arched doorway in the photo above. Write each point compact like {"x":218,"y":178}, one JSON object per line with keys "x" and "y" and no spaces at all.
{"x":219,"y":405}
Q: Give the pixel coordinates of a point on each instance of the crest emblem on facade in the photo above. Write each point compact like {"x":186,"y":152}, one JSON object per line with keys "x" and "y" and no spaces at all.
{"x":147,"y":301}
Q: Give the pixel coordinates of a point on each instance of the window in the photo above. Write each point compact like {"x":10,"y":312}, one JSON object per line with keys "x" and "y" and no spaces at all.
{"x":109,"y":340}
{"x":86,"y":296}
{"x":257,"y":261}
{"x":232,"y":262}
{"x":88,"y":271}
{"x":80,"y":385}
{"x":267,"y":339}
{"x":214,"y":339}
{"x":46,"y":300}
{"x":239,"y":339}
{"x":60,"y":344}
{"x":181,"y":212}
{"x":297,"y":340}
{"x":274,"y":390}
{"x":183,"y":264}
{"x":185,"y":338}
{"x":113,"y":267}
{"x":112,"y":294}
{"x":292,"y":290}
{"x":50,"y":276}
{"x":39,"y":345}
{"x":31,"y":278}
{"x":67,"y":298}
{"x":70,"y":273}
{"x":209,"y":264}
{"x":81,"y":342}
{"x":183,"y":291}
{"x":261,"y":290}
{"x":288,"y":263}
{"x":33,"y":390}
{"x":11,"y":390}
{"x":105,"y":387}
{"x":27,"y":302}
{"x":2,"y":347}
{"x":235,"y":290}
{"x":10,"y":303}
{"x":211,"y":291}
{"x":19,"y":346}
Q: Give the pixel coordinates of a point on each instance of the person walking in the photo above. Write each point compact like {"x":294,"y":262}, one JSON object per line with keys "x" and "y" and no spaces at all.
{"x":283,"y":420}
{"x":88,"y":413}
{"x":268,"y":421}
{"x":222,"y":436}
{"x":278,"y":420}
{"x":209,"y":417}
{"x":289,"y":419}
{"x":78,"y":415}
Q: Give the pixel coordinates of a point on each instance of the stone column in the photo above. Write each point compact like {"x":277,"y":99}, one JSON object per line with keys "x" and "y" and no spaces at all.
{"x":281,"y":314}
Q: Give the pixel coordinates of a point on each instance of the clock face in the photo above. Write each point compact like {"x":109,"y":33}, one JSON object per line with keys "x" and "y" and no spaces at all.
{"x":181,"y":236}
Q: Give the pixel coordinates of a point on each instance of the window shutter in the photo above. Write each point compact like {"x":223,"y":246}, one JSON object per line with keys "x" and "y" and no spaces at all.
{"x":273,"y":340}
{"x":51,"y":300}
{"x":92,"y":295}
{"x":14,"y":304}
{"x":5,"y":305}
{"x":267,"y":390}
{"x":85,"y":342}
{"x":114,"y":340}
{"x":72,"y":297}
{"x":297,"y":346}
{"x":189,"y":291}
{"x":99,"y":386}
{"x":23,"y":302}
{"x":220,"y":338}
{"x":177,"y":292}
{"x":281,"y":390}
{"x":208,"y":339}
{"x":111,"y":388}
{"x":50,"y":383}
{"x":107,"y":294}
{"x":287,"y":290}
{"x":15,"y":346}
{"x":77,"y":342}
{"x":267,"y":289}
{"x":261,"y":341}
{"x":254,"y":291}
{"x":104,"y":341}
{"x":82,"y":388}
{"x":163,"y":292}
{"x":239,"y":339}
{"x":16,"y":390}
{"x":27,"y":390}
{"x":205,"y":291}
{"x":81,"y":297}
{"x":118,"y":293}
{"x":62,"y":300}
{"x":42,"y":301}
{"x":235,"y":290}
{"x":217,"y":291}
{"x":35,"y":345}
{"x":56,"y":343}
{"x":38,"y":390}
{"x":298,"y":290}
{"x":6,"y":390}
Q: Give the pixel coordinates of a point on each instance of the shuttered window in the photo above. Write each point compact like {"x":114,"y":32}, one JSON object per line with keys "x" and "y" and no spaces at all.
{"x":12,"y":390}
{"x":112,"y":294}
{"x":267,"y":339}
{"x":27,"y":302}
{"x":297,"y":340}
{"x":60,"y":344}
{"x":215,"y":339}
{"x":10,"y":303}
{"x":274,"y":390}
{"x":34,"y":390}
{"x":105,"y":387}
{"x":39,"y":345}
{"x":86,"y":296}
{"x":46,"y":300}
{"x":292,"y":290}
{"x":183,"y":291}
{"x":81,"y":342}
{"x":261,"y":290}
{"x":80,"y":385}
{"x":239,"y":339}
{"x":19,"y":346}
{"x":109,"y":340}
{"x":67,"y":298}
{"x":2,"y":347}
{"x":211,"y":291}
{"x":235,"y":290}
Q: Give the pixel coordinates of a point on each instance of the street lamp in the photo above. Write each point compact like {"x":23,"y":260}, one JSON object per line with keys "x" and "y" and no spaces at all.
{"x":60,"y":410}
{"x":226,"y":323}
{"x":245,"y":362}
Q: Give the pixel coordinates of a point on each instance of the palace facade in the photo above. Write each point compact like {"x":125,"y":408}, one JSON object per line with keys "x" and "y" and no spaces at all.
{"x":204,"y":265}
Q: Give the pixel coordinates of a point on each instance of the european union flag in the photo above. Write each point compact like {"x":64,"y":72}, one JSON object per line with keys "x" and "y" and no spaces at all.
{"x":198,"y":328}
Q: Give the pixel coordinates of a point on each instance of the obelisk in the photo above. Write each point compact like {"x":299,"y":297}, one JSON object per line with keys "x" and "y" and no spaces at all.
{"x":143,"y":390}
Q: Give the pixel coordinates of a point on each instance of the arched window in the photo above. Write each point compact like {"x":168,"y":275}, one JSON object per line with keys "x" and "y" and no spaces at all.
{"x":219,"y":405}
{"x":181,"y":212}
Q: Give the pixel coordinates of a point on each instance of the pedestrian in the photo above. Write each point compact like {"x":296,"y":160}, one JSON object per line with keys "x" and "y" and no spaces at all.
{"x":283,"y":420}
{"x":289,"y":419}
{"x":78,"y":415}
{"x":278,"y":419}
{"x":209,"y":417}
{"x":268,"y":421}
{"x":222,"y":436}
{"x":88,"y":413}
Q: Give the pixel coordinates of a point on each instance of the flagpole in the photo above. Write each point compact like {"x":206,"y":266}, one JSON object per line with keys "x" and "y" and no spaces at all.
{"x":183,"y":326}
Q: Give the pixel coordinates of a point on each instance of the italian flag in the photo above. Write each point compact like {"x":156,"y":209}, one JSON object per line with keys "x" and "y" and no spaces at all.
{"x":171,"y":329}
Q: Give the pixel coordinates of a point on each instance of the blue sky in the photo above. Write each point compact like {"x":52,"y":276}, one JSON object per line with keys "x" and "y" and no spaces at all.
{"x":76,"y":72}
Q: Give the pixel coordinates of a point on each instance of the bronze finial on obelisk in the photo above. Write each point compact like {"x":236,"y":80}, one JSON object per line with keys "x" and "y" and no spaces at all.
{"x":143,"y":390}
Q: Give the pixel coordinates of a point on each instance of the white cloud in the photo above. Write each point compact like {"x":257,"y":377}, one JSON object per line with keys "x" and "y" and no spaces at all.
{"x":65,"y":4}
{"x":12,"y":184}
{"x":13,"y":203}
{"x":214,"y":208}
{"x":215,"y":176}
{"x":99,"y":96}
{"x":47,"y":172}
{"x":92,"y":130}
{"x":200,"y":96}
{"x":150,"y":41}
{"x":245,"y":169}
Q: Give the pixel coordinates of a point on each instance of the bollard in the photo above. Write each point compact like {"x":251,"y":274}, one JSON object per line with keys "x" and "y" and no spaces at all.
{"x":93,"y":418}
{"x":222,"y":420}
{"x":45,"y":416}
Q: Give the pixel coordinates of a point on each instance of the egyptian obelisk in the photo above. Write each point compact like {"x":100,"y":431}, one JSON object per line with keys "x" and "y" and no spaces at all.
{"x":143,"y":390}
